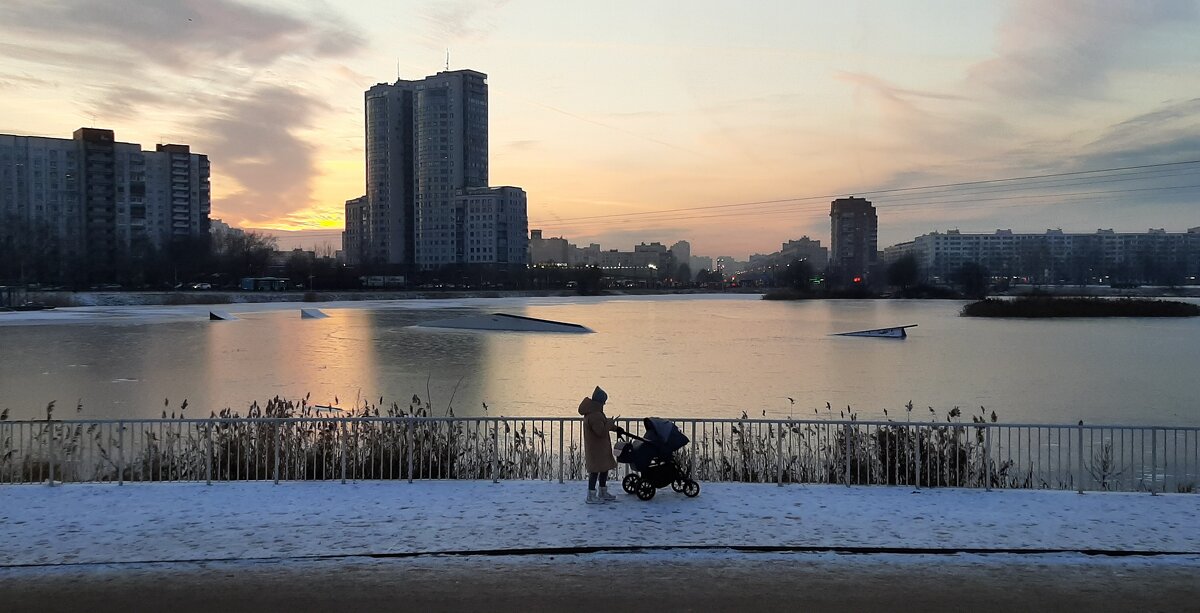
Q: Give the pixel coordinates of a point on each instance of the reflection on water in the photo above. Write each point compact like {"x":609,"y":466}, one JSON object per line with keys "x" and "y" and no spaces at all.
{"x":682,"y":356}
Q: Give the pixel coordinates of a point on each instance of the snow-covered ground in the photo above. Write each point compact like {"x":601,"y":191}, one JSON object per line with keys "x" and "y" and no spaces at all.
{"x":150,"y":312}
{"x":242,"y":521}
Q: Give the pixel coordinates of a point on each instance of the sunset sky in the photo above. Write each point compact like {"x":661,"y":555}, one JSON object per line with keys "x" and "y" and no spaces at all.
{"x":624,"y":107}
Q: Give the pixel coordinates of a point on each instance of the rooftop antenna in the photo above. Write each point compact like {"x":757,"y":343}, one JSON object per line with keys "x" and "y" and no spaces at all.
{"x":397,"y":69}
{"x":447,"y":59}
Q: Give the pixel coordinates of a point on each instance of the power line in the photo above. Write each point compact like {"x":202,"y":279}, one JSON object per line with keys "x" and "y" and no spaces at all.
{"x":878,"y":192}
{"x":933,"y":199}
{"x":809,"y":209}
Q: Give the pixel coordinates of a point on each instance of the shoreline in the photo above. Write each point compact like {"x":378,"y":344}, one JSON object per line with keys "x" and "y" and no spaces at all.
{"x":200,"y":298}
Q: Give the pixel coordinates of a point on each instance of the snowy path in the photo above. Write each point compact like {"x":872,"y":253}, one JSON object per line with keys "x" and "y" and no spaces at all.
{"x":163,"y":522}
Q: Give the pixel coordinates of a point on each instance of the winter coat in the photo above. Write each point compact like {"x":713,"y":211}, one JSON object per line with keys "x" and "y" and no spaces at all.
{"x":597,"y":446}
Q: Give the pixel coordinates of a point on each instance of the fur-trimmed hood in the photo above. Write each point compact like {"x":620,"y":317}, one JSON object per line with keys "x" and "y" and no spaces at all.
{"x":587,"y":405}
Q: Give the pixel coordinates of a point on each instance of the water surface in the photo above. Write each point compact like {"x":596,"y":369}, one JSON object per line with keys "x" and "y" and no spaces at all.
{"x":714,"y":356}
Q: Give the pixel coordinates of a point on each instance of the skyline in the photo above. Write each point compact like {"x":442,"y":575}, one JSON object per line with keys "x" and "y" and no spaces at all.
{"x":620,"y":112}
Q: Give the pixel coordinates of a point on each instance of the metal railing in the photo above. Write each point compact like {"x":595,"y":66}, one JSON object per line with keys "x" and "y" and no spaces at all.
{"x":925,"y":454}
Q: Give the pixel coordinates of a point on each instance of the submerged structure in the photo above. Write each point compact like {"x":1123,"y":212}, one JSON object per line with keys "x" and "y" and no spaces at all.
{"x":893,"y":332}
{"x":506,"y":323}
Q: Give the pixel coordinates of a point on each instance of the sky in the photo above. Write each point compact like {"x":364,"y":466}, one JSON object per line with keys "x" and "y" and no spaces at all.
{"x":606,"y":113}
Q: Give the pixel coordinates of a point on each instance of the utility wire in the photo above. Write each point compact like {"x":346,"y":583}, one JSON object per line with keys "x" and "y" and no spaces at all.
{"x":931,"y":200}
{"x":808,"y":210}
{"x":876,"y":193}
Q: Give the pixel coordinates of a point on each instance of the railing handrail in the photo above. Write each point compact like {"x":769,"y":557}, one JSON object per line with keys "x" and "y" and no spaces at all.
{"x":560,"y":419}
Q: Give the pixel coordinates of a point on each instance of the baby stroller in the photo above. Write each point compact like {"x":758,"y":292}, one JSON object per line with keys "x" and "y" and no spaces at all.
{"x":653,"y":457}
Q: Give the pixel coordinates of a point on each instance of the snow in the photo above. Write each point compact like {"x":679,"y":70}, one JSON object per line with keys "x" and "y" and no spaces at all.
{"x":107,"y":523}
{"x":150,"y":313}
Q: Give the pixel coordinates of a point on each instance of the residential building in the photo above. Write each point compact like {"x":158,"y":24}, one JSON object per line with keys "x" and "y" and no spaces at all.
{"x":91,"y":205}
{"x":555,"y":250}
{"x":682,"y":252}
{"x":804,"y":248}
{"x":496,"y":225}
{"x":354,"y":241}
{"x":451,"y":115}
{"x":1154,"y":256}
{"x":386,"y":236}
{"x":426,"y":145}
{"x":178,"y":195}
{"x":854,"y":239}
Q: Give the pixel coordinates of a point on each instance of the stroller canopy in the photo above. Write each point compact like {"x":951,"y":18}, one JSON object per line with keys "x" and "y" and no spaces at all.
{"x":664,"y":434}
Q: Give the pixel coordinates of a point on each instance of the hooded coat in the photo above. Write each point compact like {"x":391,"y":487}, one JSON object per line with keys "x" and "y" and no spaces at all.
{"x":597,"y":446}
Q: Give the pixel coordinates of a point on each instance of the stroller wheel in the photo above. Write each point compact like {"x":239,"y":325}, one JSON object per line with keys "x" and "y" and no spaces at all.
{"x":691,"y":489}
{"x":679,"y":486}
{"x":645,"y":490}
{"x":630,"y":483}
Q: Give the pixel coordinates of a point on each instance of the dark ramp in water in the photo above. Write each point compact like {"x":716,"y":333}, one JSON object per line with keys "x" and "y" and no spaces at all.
{"x":893,"y":332}
{"x":505,"y":323}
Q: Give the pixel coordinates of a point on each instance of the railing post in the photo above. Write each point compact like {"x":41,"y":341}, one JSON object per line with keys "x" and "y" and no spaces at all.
{"x":278,"y":449}
{"x":561,"y":451}
{"x":495,"y":452}
{"x":847,"y":455}
{"x":987,"y":458}
{"x":1079,"y":458}
{"x":120,"y":453}
{"x":408,"y":441}
{"x":208,"y":458}
{"x":779,"y":455}
{"x":692,"y":455}
{"x":50,"y":445}
{"x":1154,"y":459}
{"x":917,"y":433}
{"x":342,"y":447}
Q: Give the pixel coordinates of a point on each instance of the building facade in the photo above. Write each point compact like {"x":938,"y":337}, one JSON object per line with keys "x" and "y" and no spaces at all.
{"x":426,"y":140}
{"x":854,"y":239}
{"x":496,"y":227}
{"x":178,"y":194}
{"x":803,"y":248}
{"x":91,"y":205}
{"x":353,"y":236}
{"x":386,"y":237}
{"x":555,"y":250}
{"x":1154,"y":256}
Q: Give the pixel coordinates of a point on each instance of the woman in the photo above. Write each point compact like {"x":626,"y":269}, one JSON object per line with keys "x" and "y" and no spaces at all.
{"x":597,"y":447}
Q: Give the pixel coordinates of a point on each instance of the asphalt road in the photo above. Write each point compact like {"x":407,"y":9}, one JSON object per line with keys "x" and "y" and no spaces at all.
{"x":718,"y":580}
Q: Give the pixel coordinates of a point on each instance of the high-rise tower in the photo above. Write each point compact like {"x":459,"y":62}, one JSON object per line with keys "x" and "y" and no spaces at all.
{"x":854,"y":239}
{"x":426,"y":140}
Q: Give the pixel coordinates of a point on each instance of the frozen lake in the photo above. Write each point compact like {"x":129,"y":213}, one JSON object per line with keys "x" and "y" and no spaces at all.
{"x":713,"y":356}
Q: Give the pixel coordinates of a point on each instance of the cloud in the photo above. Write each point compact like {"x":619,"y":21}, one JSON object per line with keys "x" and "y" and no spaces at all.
{"x":1067,"y":48}
{"x":456,"y":20}
{"x":1169,"y":122}
{"x":253,"y":140}
{"x":64,"y":61}
{"x":118,"y":102}
{"x":12,"y":81}
{"x":890,"y":91}
{"x":183,"y":33}
{"x":522,"y":145}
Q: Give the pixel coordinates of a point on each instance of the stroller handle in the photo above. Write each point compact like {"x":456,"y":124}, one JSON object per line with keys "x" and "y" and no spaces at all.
{"x":623,"y":432}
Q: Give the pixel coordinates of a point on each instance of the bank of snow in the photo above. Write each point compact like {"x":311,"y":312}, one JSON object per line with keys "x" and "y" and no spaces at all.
{"x":165,"y":521}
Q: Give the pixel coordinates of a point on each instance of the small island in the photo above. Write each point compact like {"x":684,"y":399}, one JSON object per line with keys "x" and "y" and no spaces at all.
{"x":1050,"y":306}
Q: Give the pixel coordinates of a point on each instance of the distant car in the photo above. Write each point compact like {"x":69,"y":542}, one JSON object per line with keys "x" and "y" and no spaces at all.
{"x":201,"y":286}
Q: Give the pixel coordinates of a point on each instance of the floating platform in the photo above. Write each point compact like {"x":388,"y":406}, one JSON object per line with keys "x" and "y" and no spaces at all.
{"x":312,"y":314}
{"x":892,"y":332}
{"x":506,"y":323}
{"x":220,"y":316}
